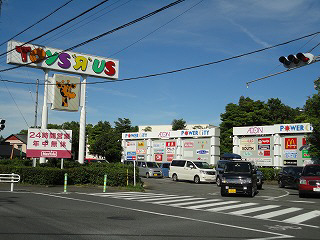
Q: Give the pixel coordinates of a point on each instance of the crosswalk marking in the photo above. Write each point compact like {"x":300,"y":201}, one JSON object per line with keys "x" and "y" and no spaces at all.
{"x":211,"y":204}
{"x":161,"y":198}
{"x":303,"y":217}
{"x":217,"y":205}
{"x":193,"y":202}
{"x":231,"y":207}
{"x":277,"y":213}
{"x":176,"y":200}
{"x":145,"y":197}
{"x":251,"y":210}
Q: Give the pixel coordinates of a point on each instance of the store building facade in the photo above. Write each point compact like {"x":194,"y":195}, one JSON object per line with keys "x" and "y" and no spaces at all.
{"x":197,"y":144}
{"x":274,"y":145}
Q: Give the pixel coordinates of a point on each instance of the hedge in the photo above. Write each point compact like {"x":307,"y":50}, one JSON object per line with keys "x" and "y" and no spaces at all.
{"x":270,"y":174}
{"x":116,"y":174}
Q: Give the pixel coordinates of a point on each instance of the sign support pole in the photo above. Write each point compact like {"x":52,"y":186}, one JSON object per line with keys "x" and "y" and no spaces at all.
{"x":82,"y":131}
{"x":44,"y":120}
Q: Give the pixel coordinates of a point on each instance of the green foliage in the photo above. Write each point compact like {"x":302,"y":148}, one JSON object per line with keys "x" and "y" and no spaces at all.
{"x":270,"y":174}
{"x":312,"y":115}
{"x":178,"y":124}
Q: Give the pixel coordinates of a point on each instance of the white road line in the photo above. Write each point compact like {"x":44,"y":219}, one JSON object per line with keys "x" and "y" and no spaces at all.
{"x":163,"y":198}
{"x":275,"y":235}
{"x":194,"y":202}
{"x":177,"y":200}
{"x":277,"y":213}
{"x":211,"y":204}
{"x":303,"y":217}
{"x":251,"y":210}
{"x":302,"y":202}
{"x":146,"y":197}
{"x":231,"y":207}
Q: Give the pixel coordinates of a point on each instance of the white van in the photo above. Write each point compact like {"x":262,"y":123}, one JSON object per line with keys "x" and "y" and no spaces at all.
{"x":197,"y":171}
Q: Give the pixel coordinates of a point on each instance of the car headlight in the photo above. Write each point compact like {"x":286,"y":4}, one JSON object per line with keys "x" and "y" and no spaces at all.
{"x":303,"y":181}
{"x":223,"y":180}
{"x":203,"y":172}
{"x":247,"y":180}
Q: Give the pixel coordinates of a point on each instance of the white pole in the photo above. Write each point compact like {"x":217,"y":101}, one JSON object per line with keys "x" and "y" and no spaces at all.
{"x":82,"y":131}
{"x":12,"y":181}
{"x":134,"y":173}
{"x":61,"y":163}
{"x":44,"y":120}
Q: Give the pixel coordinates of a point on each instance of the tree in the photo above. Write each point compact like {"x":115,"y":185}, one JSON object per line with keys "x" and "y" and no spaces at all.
{"x":178,"y":124}
{"x":312,"y":115}
{"x":147,"y":129}
{"x":252,"y":113}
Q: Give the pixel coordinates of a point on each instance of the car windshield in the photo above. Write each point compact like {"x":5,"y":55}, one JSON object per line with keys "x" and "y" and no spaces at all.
{"x":152,"y":165}
{"x":311,"y":170}
{"x":203,"y":165}
{"x":237,"y":167}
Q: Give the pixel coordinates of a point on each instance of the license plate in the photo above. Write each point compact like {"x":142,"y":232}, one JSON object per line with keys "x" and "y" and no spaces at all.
{"x":155,"y":174}
{"x":232,"y":191}
{"x":316,"y":189}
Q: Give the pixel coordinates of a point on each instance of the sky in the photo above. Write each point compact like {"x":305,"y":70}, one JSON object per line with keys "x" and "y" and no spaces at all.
{"x":188,"y":34}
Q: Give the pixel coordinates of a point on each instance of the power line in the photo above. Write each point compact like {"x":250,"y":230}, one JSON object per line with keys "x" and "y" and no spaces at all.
{"x":61,"y":25}
{"x":37,"y":22}
{"x":188,"y":68}
{"x":86,"y":22}
{"x":103,"y":34}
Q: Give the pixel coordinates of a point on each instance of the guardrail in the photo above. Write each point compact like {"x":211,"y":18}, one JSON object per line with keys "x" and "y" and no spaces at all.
{"x":9,"y":178}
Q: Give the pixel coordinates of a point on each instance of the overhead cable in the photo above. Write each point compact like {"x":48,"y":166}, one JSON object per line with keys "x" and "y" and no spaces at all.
{"x":104,"y":34}
{"x":61,"y":25}
{"x":37,"y":22}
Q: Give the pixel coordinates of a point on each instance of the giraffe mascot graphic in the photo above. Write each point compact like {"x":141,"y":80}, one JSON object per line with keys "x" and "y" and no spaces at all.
{"x":65,"y":91}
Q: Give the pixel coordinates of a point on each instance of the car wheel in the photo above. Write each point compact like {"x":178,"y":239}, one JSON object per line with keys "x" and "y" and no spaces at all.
{"x":223,"y":193}
{"x":197,"y":179}
{"x":302,"y":195}
{"x":252,"y":192}
{"x":281,"y":185}
{"x":147,"y":175}
{"x":175,"y":177}
{"x":218,"y":181}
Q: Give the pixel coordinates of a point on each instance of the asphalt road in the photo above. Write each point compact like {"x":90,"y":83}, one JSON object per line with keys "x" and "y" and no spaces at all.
{"x":167,"y":210}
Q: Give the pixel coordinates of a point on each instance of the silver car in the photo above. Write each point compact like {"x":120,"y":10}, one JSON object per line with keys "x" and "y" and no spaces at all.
{"x":149,"y":169}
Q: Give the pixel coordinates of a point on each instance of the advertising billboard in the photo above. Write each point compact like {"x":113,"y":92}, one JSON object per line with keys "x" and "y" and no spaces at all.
{"x":66,"y":93}
{"x":37,"y":56}
{"x":49,"y":143}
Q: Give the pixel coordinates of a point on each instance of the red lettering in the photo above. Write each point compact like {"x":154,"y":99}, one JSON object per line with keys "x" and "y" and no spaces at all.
{"x":23,"y":51}
{"x":110,"y":70}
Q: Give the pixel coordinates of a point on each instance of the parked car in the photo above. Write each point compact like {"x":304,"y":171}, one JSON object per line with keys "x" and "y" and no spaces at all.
{"x":149,"y":169}
{"x":310,"y":180}
{"x":165,"y":168}
{"x":289,"y":176}
{"x":239,"y":177}
{"x":197,"y":171}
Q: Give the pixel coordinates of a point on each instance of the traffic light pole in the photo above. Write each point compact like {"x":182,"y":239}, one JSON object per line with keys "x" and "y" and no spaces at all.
{"x":317,"y":59}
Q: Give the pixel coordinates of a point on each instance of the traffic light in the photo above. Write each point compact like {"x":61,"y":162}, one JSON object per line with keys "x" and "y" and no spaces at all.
{"x":2,"y":122}
{"x":299,"y":60}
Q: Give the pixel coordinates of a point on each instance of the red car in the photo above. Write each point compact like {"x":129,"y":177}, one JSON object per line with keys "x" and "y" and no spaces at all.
{"x":310,"y":180}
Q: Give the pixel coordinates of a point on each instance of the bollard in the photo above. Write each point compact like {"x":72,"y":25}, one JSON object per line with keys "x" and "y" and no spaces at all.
{"x":65,"y":182}
{"x":105,"y":183}
{"x":127,"y":177}
{"x":12,"y":181}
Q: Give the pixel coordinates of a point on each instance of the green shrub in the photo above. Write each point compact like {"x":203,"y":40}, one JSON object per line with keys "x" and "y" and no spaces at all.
{"x":270,"y":174}
{"x":92,"y":174}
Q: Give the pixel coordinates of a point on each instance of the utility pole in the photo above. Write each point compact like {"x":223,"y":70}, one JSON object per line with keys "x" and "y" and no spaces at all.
{"x":36,"y":107}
